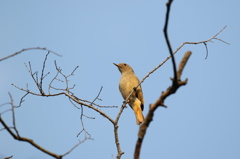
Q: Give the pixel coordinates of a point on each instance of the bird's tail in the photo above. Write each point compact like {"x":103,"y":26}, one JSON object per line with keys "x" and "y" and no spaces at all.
{"x":138,"y":111}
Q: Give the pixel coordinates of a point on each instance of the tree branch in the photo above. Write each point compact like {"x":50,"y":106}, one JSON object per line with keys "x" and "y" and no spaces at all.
{"x":60,"y":91}
{"x":168,"y":41}
{"x":27,"y":49}
{"x":161,"y":64}
{"x":80,"y":142}
{"x":160,"y":102}
{"x":115,"y":126}
{"x":19,"y":138}
{"x":8,"y":157}
{"x":30,"y":141}
{"x":204,"y":42}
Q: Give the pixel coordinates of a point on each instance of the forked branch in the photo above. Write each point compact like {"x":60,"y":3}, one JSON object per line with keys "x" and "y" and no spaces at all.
{"x":66,"y":90}
{"x":160,"y":102}
{"x":18,"y":137}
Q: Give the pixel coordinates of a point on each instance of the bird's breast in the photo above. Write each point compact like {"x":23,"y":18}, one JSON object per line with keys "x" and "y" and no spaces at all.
{"x":127,"y":83}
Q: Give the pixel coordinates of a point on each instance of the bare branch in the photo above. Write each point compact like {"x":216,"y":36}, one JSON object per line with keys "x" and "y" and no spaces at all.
{"x":8,"y":157}
{"x":88,"y":117}
{"x":97,"y":95}
{"x":165,"y":30}
{"x":30,"y":141}
{"x":100,"y":106}
{"x":160,"y":102}
{"x":50,"y":84}
{"x":66,"y":90}
{"x":22,"y":100}
{"x":75,"y":105}
{"x":4,"y":128}
{"x":73,"y":98}
{"x":80,"y":142}
{"x":42,"y":74}
{"x":19,"y":138}
{"x":29,"y":68}
{"x":182,"y":64}
{"x":4,"y":104}
{"x":83,"y":127}
{"x":161,"y":64}
{"x":204,"y":42}
{"x":117,"y":142}
{"x":222,"y":41}
{"x":27,"y":49}
{"x":89,"y":106}
{"x":13,"y":115}
{"x":65,"y":77}
{"x":72,"y":74}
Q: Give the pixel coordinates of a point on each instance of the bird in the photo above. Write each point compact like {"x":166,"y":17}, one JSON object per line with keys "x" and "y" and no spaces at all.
{"x":128,"y":82}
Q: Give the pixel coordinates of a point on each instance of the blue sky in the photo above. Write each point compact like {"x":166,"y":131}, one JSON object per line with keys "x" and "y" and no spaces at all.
{"x":202,"y":118}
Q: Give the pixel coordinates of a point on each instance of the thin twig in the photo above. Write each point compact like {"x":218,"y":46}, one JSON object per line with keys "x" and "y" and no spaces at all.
{"x":42,"y":74}
{"x":4,"y":128}
{"x":4,"y":104}
{"x":205,"y":41}
{"x":72,"y":74}
{"x":13,"y":115}
{"x":83,"y":127}
{"x":205,"y":44}
{"x":50,"y":84}
{"x":27,"y":49}
{"x":97,"y":95}
{"x":29,"y":68}
{"x":8,"y":110}
{"x":80,"y":142}
{"x":22,"y":100}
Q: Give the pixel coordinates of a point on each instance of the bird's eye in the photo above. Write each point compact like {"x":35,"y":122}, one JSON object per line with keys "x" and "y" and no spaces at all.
{"x":125,"y":64}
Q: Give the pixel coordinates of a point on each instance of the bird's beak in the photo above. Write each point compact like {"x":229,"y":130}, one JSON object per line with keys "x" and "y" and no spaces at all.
{"x":115,"y":64}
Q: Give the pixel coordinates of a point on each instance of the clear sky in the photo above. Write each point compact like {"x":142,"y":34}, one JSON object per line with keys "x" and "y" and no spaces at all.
{"x":202,"y":118}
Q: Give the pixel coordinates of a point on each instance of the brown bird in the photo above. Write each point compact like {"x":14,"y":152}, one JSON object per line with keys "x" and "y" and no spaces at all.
{"x":127,"y":83}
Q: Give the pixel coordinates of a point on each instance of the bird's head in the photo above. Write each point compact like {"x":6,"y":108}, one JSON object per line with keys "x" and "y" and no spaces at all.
{"x":123,"y":67}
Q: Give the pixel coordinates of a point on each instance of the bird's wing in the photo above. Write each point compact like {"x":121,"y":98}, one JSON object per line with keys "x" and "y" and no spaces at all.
{"x":139,"y":95}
